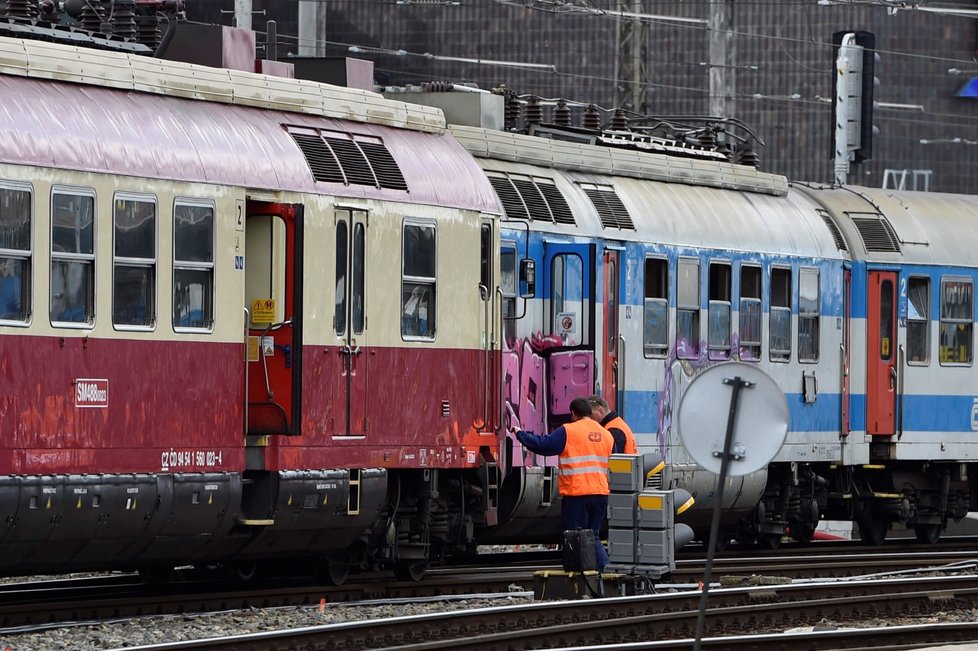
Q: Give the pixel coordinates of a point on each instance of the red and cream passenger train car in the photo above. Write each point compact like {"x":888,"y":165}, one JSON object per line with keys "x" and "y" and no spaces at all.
{"x":219,"y":339}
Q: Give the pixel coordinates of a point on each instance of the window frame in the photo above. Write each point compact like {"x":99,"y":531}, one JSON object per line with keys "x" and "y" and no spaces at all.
{"x":967,"y":280}
{"x":815,"y":316}
{"x":75,"y":191}
{"x":778,"y":356}
{"x":27,"y":255}
{"x":418,"y":222}
{"x":719,"y":351}
{"x":751,"y":300}
{"x":195,"y":266}
{"x":138,"y":262}
{"x":659,"y":351}
{"x":926,"y":320}
{"x":689,"y":308}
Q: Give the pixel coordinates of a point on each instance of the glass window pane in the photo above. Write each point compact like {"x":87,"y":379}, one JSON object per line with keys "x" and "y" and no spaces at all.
{"x":418,"y":314}
{"x":688,"y":293}
{"x":419,"y":251}
{"x":780,"y":333}
{"x":14,"y":296}
{"x":135,"y":229}
{"x":73,"y":223}
{"x":357,"y":293}
{"x":719,"y":326}
{"x":688,"y":333}
{"x":15,"y":219}
{"x":72,"y":291}
{"x":918,"y":320}
{"x":808,"y":292}
{"x":656,"y":315}
{"x":750,"y":328}
{"x":132,"y":296}
{"x":886,"y":320}
{"x":957,"y":300}
{"x":193,"y":298}
{"x":339,"y":313}
{"x":193,"y":236}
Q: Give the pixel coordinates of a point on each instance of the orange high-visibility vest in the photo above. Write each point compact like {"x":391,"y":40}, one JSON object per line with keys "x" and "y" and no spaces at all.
{"x":618,"y":423}
{"x":584,"y":460}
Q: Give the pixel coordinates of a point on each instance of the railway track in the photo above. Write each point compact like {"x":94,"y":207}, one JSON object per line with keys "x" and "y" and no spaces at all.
{"x":741,"y":618}
{"x":26,"y":607}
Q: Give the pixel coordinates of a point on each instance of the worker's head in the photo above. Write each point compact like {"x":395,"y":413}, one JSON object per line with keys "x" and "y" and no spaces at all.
{"x":580,"y":408}
{"x":599,"y":406}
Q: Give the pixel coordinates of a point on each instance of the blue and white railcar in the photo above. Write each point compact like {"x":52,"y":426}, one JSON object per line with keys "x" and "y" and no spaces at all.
{"x":627,"y":273}
{"x":912,"y":425}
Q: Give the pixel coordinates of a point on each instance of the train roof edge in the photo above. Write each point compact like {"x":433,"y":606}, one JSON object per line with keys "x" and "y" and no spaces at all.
{"x":66,"y":63}
{"x":581,"y":157}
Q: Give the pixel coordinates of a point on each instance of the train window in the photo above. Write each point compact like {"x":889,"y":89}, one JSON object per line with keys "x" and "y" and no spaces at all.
{"x":358,"y":273}
{"x":418,"y":281}
{"x":193,"y":266}
{"x":567,"y":298}
{"x":780,"y":315}
{"x":16,"y":214}
{"x":656,"y":307}
{"x":507,"y":282}
{"x":485,"y":261}
{"x":918,"y":320}
{"x":957,"y":319}
{"x":750,"y":312}
{"x":808,"y":333}
{"x":134,"y":262}
{"x":718,"y":315}
{"x":72,"y":258}
{"x":688,"y":309}
{"x":342,"y":246}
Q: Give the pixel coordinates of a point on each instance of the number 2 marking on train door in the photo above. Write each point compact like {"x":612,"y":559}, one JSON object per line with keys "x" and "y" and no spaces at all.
{"x":239,"y":220}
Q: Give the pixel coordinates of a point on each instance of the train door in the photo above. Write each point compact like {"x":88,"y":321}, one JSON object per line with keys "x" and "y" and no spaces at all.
{"x":881,"y":359}
{"x":350,"y":320}
{"x":846,"y":319}
{"x":273,"y":303}
{"x":568,"y":287}
{"x":610,"y":340}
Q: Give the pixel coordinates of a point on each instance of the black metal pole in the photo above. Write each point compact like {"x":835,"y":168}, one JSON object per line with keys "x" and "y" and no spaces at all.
{"x":736,"y":383}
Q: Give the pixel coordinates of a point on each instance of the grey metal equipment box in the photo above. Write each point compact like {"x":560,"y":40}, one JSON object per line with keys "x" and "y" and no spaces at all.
{"x":622,"y":510}
{"x":655,"y":509}
{"x":655,"y":547}
{"x":626,"y":473}
{"x":622,"y":546}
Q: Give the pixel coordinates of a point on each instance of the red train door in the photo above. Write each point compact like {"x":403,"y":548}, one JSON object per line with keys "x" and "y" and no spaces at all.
{"x":881,"y":353}
{"x":350,"y":321}
{"x":610,"y":353}
{"x":273,"y":291}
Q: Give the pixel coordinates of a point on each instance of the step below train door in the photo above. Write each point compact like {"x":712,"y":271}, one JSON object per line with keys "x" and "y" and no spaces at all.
{"x":568,"y":287}
{"x":350,"y":322}
{"x":273,"y":291}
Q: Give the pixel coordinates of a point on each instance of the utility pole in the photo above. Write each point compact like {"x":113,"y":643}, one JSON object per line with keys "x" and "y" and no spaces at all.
{"x":631,"y":67}
{"x":722,"y":81}
{"x":312,"y":28}
{"x":242,"y":14}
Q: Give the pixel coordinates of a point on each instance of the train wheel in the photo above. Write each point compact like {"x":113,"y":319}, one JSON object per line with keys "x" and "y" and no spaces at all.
{"x":410,"y":570}
{"x":334,"y":569}
{"x":872,"y":531}
{"x":769,"y":541}
{"x":244,"y":572}
{"x":928,"y":534}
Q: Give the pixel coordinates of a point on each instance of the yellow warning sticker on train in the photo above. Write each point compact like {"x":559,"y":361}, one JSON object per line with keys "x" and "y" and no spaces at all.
{"x":263,"y":310}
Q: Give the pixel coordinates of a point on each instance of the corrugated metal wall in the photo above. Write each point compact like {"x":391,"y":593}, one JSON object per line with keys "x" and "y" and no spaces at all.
{"x":787,"y":42}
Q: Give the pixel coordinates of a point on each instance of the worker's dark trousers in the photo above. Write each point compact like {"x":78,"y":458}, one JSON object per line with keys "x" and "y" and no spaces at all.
{"x":586,"y":512}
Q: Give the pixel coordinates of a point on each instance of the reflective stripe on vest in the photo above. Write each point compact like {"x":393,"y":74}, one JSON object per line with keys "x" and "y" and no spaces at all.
{"x":584,"y":459}
{"x":630,"y":446}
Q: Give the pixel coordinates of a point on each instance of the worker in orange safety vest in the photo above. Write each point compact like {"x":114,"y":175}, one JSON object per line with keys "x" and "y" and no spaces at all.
{"x":611,"y":421}
{"x":583,"y":447}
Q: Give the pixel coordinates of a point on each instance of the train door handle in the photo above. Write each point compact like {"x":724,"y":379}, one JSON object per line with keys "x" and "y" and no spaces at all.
{"x":893,"y":377}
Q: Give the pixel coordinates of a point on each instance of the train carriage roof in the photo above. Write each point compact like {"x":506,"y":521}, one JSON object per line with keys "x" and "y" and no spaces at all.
{"x":903,"y":226}
{"x":95,"y":111}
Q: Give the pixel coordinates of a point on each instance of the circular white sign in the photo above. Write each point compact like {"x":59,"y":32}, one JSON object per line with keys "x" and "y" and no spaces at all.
{"x":760,"y":425}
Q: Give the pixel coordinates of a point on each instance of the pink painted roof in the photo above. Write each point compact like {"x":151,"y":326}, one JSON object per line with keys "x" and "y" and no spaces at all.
{"x":90,"y":128}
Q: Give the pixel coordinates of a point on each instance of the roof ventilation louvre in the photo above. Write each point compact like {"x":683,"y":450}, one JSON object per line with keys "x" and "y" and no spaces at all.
{"x":335,"y":159}
{"x":528,"y":198}
{"x":877,"y":233}
{"x":610,"y":209}
{"x":510,"y":198}
{"x":840,"y":242}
